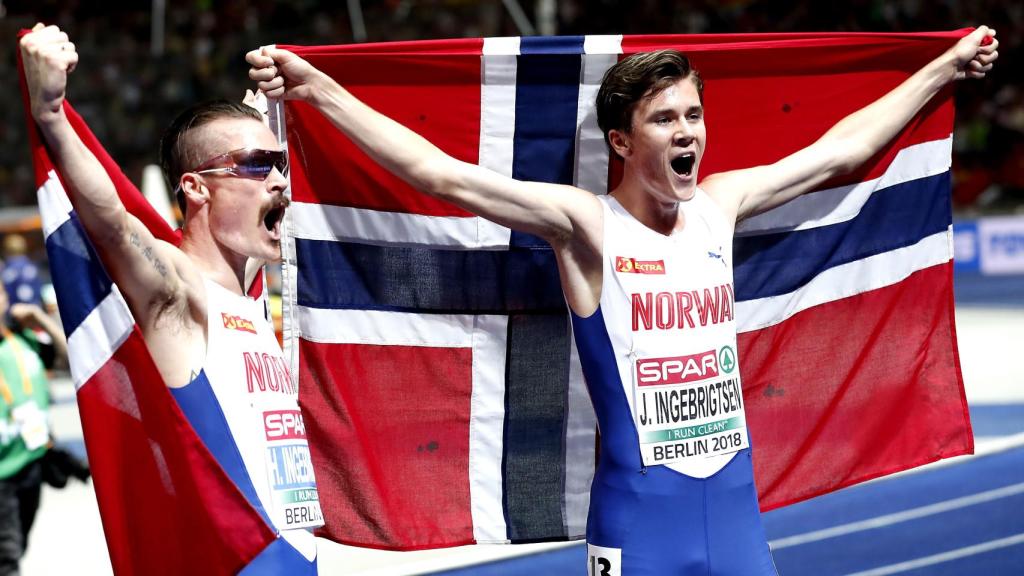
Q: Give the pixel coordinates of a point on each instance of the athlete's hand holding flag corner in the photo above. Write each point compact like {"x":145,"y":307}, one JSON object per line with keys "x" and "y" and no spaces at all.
{"x":852,"y":141}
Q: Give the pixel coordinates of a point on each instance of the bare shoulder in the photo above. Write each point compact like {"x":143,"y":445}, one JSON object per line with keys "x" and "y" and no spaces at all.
{"x":724,"y":190}
{"x":729,"y":190}
{"x":583,"y":211}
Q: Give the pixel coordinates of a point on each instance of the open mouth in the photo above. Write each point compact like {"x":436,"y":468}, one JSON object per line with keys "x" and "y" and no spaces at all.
{"x":273,"y":217}
{"x":683,"y":165}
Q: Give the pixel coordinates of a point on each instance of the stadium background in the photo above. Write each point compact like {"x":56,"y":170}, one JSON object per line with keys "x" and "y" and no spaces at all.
{"x":131,"y":83}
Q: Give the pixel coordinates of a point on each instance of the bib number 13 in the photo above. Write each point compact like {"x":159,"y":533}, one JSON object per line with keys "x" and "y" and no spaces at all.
{"x":603,"y":561}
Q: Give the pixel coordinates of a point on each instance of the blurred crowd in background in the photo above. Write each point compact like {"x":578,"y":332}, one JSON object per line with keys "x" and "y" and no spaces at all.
{"x":137,"y":76}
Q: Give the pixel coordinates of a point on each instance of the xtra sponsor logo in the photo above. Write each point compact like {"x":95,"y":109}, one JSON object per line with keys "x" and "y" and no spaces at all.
{"x":238,"y":323}
{"x":634,"y":266}
{"x":284,"y":425}
{"x":677,"y":369}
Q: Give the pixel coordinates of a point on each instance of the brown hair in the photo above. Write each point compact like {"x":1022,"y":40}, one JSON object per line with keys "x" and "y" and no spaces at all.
{"x":639,"y":76}
{"x":179,"y":150}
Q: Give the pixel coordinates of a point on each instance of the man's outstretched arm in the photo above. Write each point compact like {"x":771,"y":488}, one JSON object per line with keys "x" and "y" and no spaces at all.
{"x":566,"y":217}
{"x":854,"y":139}
{"x":547,"y":210}
{"x":140,"y":264}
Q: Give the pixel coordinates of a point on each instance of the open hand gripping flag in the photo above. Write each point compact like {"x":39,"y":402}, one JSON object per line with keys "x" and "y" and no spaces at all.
{"x":166,"y":504}
{"x":442,"y":394}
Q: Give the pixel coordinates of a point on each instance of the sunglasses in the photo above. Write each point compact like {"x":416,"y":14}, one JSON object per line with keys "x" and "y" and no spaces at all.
{"x":250,"y":163}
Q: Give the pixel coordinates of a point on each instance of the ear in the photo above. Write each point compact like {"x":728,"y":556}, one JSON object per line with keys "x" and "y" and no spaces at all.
{"x":619,"y":141}
{"x":195,"y":190}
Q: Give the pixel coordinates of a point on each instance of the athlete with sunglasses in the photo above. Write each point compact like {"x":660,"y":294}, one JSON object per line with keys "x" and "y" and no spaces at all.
{"x":213,"y":345}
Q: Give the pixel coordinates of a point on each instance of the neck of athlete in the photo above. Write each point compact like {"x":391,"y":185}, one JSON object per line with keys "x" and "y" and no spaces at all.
{"x":212,"y":258}
{"x":656,"y":211}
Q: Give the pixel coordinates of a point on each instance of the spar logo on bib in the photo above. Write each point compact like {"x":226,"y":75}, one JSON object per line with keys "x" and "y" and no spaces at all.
{"x":634,"y":266}
{"x":677,"y":369}
{"x":238,"y":323}
{"x":727,"y":358}
{"x":284,"y":425}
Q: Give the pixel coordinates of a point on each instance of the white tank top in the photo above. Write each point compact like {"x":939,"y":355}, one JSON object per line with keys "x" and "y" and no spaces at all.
{"x":250,"y":378}
{"x":668,"y":304}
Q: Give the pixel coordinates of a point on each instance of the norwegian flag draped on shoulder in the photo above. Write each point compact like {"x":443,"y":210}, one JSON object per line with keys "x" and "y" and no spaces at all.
{"x":167,"y":506}
{"x":444,"y":401}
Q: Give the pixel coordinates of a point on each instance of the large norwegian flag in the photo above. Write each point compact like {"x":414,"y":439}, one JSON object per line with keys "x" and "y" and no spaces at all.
{"x":444,"y":401}
{"x":167,"y":506}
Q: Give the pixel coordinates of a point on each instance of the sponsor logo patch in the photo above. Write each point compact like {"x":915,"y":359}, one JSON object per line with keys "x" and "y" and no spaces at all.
{"x":238,"y":323}
{"x":727,"y":358}
{"x":284,"y":425}
{"x":634,"y":266}
{"x":677,"y":370}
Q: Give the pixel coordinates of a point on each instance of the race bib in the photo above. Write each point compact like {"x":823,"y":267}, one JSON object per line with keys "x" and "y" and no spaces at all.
{"x":290,"y":471}
{"x":689,"y":406}
{"x":31,"y":424}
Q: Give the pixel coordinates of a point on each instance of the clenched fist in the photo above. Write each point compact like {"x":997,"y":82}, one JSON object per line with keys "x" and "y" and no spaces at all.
{"x":48,"y":57}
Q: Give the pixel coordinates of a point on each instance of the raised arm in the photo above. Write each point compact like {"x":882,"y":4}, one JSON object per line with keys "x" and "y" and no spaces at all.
{"x":143,"y":267}
{"x":550,"y":211}
{"x":854,"y":139}
{"x":566,"y":217}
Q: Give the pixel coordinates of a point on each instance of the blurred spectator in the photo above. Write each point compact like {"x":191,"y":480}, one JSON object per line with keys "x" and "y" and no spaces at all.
{"x":20,"y":275}
{"x":24,"y":430}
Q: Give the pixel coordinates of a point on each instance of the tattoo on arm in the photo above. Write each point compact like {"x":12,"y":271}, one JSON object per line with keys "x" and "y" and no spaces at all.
{"x":149,"y":254}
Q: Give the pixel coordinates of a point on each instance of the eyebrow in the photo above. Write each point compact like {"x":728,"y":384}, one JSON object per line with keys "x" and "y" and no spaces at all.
{"x":669,"y":111}
{"x":661,"y":112}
